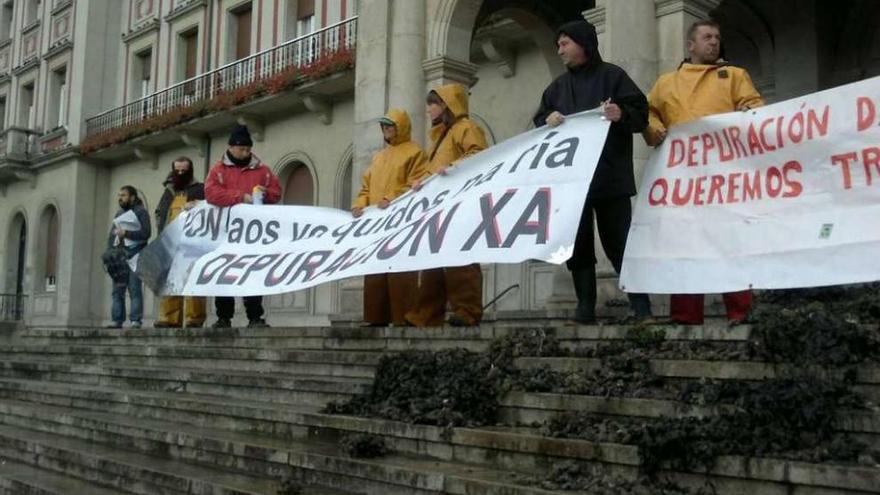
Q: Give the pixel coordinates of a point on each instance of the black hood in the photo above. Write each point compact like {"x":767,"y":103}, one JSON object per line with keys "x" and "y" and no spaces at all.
{"x":584,"y":34}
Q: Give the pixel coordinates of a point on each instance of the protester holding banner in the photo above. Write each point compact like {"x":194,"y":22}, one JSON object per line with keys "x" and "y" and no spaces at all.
{"x":703,"y":85}
{"x":182,"y":192}
{"x":129,"y":234}
{"x":588,"y":83}
{"x":453,"y":137}
{"x":238,"y":178}
{"x":388,"y":296}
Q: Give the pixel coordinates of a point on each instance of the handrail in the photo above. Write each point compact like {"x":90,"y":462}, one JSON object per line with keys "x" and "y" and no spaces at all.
{"x":300,"y":51}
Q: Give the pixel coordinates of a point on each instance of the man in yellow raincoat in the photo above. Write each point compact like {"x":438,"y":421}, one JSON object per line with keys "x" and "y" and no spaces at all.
{"x":182,"y":192}
{"x":453,"y":137}
{"x":703,"y":85}
{"x":387,"y":296}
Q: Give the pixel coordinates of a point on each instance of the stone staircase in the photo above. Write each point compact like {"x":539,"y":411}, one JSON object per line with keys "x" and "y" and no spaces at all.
{"x":153,"y":412}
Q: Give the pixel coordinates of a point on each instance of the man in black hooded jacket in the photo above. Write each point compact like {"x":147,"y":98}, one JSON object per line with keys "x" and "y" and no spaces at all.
{"x":587,"y":83}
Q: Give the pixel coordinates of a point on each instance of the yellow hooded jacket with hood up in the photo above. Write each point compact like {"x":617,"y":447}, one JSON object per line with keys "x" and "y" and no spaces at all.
{"x":393,"y":169}
{"x":464,"y":138}
{"x":694,"y":91}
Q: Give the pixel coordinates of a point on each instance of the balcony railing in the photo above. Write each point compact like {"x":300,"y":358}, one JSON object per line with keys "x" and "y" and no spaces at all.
{"x":297,"y":53}
{"x":12,"y":307}
{"x":18,"y":142}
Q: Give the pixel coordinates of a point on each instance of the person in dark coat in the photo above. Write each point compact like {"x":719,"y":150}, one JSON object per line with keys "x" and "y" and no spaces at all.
{"x":182,"y":192}
{"x":588,"y":83}
{"x":132,"y":242}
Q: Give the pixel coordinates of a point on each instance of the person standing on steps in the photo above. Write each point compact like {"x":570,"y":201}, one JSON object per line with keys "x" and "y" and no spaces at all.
{"x":235,"y":179}
{"x":703,"y":85}
{"x":182,"y":192}
{"x":132,"y":241}
{"x":387,"y":296}
{"x":453,"y":136}
{"x":588,"y":83}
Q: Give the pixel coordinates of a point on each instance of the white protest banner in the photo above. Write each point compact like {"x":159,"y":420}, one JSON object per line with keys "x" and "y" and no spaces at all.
{"x":782,"y":196}
{"x":518,"y":200}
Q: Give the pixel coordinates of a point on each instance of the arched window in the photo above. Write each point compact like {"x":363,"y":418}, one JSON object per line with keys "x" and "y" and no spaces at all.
{"x":49,"y":247}
{"x":16,"y":249}
{"x":299,"y":188}
{"x":344,"y":188}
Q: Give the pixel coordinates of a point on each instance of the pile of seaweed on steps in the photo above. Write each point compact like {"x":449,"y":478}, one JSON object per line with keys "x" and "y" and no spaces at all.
{"x":453,"y":387}
{"x":792,"y":416}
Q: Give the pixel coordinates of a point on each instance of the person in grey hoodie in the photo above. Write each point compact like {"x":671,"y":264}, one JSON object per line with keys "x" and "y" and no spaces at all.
{"x":128,"y":200}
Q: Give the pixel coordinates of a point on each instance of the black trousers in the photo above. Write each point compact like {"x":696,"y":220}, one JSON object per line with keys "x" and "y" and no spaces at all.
{"x":613,"y":216}
{"x":225,"y":306}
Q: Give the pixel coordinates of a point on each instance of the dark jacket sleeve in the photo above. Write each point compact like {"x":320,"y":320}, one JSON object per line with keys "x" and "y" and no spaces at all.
{"x":144,"y":218}
{"x":546,"y":107}
{"x":162,"y":210}
{"x":196,"y":192}
{"x":632,"y":102}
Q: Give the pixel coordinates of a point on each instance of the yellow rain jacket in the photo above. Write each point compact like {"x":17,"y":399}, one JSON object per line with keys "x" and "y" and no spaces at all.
{"x":694,"y":91}
{"x":393,"y":169}
{"x":464,"y":138}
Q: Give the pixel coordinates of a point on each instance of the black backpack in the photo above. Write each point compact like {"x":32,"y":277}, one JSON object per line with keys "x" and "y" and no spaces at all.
{"x":115,"y":261}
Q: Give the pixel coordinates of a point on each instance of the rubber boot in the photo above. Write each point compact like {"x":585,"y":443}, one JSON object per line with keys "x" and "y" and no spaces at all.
{"x":585,"y":288}
{"x":640,"y":305}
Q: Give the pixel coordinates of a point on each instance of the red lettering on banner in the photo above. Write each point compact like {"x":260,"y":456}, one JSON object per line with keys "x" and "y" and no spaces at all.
{"x":732,"y":188}
{"x":871,"y":158}
{"x":708,"y":145}
{"x":814,"y":124}
{"x":676,"y":153}
{"x":754,"y":143}
{"x":794,"y":187}
{"x":767,"y":146}
{"x":752,"y":191}
{"x":715,"y":189}
{"x":692,"y":151}
{"x":663,"y":187}
{"x":843,"y":160}
{"x":867,"y":113}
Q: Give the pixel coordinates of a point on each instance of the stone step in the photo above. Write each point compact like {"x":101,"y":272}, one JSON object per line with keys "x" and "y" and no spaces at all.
{"x":125,"y":470}
{"x":530,"y":407}
{"x":323,"y":363}
{"x":261,"y":456}
{"x":21,"y":479}
{"x":488,"y":446}
{"x":277,"y":387}
{"x":501,"y":447}
{"x":331,"y":338}
{"x":866,"y":374}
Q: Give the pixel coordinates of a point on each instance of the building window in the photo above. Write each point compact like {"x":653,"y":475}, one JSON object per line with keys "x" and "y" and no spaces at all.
{"x":57,"y":116}
{"x":299,"y":188}
{"x":240,"y":23}
{"x":32,"y":11}
{"x":141,"y":77}
{"x":6,"y":20}
{"x":189,"y":54}
{"x":26,"y":114}
{"x":2,"y":113}
{"x":300,"y":18}
{"x":50,"y":247}
{"x":344,"y":188}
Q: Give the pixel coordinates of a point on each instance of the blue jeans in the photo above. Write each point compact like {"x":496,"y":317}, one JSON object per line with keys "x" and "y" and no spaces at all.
{"x":135,"y":292}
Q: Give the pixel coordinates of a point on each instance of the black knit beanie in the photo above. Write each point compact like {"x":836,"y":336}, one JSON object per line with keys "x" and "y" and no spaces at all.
{"x":240,"y":136}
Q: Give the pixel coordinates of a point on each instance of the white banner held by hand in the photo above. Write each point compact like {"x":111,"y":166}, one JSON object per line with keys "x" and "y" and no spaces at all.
{"x":521,"y":199}
{"x":782,"y":196}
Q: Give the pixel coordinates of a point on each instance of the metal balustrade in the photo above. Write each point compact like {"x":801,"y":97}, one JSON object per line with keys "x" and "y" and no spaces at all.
{"x":12,"y":307}
{"x":297,"y":53}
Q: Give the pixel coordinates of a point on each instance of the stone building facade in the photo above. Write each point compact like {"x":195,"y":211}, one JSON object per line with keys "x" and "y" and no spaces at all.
{"x":96,"y":94}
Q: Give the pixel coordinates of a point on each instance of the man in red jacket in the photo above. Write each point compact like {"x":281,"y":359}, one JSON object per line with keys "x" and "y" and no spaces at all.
{"x":236,"y":179}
